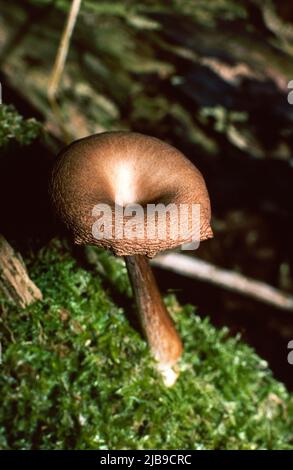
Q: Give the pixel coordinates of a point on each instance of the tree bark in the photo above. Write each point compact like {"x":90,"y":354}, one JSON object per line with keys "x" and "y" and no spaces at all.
{"x":15,"y":284}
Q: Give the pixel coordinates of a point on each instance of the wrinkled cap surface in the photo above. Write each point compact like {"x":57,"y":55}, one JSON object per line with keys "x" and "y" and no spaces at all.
{"x":106,"y":189}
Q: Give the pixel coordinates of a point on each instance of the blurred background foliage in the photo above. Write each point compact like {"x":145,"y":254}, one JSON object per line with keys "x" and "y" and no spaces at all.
{"x":14,"y":128}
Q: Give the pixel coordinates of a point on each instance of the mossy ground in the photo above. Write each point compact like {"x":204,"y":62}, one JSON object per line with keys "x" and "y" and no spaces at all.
{"x":14,"y":128}
{"x":76,"y":375}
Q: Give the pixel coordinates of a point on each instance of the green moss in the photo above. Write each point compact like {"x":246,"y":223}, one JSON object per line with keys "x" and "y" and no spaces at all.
{"x":13,"y":127}
{"x":75,"y":374}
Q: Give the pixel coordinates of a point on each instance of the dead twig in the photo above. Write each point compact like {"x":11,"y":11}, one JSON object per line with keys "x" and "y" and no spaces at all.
{"x":197,"y":269}
{"x":59,"y":65}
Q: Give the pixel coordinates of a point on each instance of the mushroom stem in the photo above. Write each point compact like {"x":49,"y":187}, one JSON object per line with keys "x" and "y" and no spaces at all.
{"x":156,"y":322}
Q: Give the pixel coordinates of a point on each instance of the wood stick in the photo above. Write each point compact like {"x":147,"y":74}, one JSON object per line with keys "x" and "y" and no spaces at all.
{"x":59,"y":65}
{"x":63,"y":49}
{"x":197,"y":269}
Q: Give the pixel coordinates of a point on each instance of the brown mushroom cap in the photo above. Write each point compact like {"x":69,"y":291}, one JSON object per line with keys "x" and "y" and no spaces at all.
{"x":126,"y":168}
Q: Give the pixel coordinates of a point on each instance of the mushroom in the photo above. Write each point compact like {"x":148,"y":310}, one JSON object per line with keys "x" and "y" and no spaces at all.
{"x":112,"y":172}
